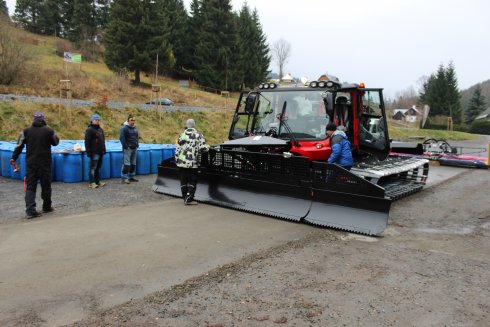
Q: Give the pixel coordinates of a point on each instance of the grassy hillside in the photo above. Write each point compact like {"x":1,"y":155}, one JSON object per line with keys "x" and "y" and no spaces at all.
{"x":93,"y":80}
{"x":153,"y":128}
{"x":90,"y":80}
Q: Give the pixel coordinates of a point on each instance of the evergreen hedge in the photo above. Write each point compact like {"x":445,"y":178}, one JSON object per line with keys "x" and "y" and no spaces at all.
{"x":480,"y":127}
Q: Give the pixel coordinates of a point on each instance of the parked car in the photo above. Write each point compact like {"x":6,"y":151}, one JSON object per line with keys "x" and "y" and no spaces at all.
{"x":162,"y":101}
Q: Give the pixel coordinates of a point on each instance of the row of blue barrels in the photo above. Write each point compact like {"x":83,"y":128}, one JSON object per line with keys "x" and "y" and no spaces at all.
{"x":72,"y":167}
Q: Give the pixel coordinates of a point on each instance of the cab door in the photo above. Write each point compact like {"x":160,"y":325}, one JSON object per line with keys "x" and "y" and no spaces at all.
{"x":372,"y":130}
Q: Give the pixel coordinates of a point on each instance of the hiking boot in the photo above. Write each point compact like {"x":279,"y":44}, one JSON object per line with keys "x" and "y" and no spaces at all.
{"x":48,"y":210}
{"x":34,"y":214}
{"x":132,"y":179}
{"x":126,"y":181}
{"x":92,"y":185}
{"x":101,"y":184}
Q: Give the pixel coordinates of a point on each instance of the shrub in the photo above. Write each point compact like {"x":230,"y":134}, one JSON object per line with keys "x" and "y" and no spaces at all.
{"x":63,"y":46}
{"x":12,"y":54}
{"x":441,"y":126}
{"x":480,"y":127}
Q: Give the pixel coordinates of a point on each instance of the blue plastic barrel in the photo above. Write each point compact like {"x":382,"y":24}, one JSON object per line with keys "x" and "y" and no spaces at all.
{"x":105,"y":170}
{"x":156,"y":157}
{"x":21,"y":161}
{"x":1,"y":149}
{"x":168,"y":152}
{"x":58,"y":166}
{"x":85,"y":166}
{"x":143,"y":161}
{"x":72,"y":167}
{"x":116,"y":163}
{"x":6,"y":155}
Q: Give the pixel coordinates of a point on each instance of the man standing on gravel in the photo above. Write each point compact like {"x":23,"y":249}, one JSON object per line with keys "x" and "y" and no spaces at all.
{"x":129,"y":141}
{"x":95,"y":147}
{"x":189,"y":144}
{"x":38,"y":138}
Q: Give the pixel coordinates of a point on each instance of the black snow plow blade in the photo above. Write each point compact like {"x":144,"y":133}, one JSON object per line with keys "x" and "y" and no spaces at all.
{"x":289,"y":188}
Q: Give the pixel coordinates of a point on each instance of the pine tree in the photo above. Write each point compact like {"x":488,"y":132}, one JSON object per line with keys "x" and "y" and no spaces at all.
{"x":67,"y":8}
{"x":102,"y":14}
{"x":50,"y":19}
{"x":217,"y":48}
{"x":441,"y":93}
{"x":254,"y":51}
{"x":193,"y":35}
{"x":27,"y":14}
{"x":453,"y":94}
{"x":136,"y":33}
{"x":83,"y":23}
{"x":174,"y":11}
{"x":476,"y":106}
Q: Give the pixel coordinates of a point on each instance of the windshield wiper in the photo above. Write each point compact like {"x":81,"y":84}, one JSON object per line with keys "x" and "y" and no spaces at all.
{"x":282,"y":120}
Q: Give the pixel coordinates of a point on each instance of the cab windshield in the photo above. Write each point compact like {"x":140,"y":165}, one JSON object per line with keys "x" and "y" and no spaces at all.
{"x":304,"y":116}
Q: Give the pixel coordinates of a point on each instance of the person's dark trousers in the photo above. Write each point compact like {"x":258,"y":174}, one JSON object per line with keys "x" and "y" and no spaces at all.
{"x":35,"y":173}
{"x":94,"y":168}
{"x":188,"y":183}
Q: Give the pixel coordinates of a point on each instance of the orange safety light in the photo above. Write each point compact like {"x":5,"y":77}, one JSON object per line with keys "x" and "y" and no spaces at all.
{"x":362,"y":85}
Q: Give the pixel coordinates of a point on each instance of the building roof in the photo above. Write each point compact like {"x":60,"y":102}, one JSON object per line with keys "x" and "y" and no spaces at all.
{"x":484,"y":115}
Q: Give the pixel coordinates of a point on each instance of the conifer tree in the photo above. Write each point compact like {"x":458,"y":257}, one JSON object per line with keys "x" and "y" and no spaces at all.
{"x":217,"y":48}
{"x":136,"y":33}
{"x":193,"y":35}
{"x":174,"y":11}
{"x":50,"y":18}
{"x":102,"y":14}
{"x":453,"y":94}
{"x":476,"y":105}
{"x":441,"y":93}
{"x":83,"y":23}
{"x":27,"y":14}
{"x":255,"y":56}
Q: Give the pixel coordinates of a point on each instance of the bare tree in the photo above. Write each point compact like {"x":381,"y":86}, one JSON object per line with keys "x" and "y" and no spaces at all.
{"x":281,"y":51}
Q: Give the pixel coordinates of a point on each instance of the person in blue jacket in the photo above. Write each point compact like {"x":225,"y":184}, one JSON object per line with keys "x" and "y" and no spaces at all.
{"x":129,"y":140}
{"x":341,"y":151}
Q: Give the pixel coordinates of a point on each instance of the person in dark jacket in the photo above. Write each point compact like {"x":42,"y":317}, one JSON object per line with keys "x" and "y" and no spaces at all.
{"x":341,"y":151}
{"x":129,"y":140}
{"x":95,"y":147}
{"x":38,"y":138}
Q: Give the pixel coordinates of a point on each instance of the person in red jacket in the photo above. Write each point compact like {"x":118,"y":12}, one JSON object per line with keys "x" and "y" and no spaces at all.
{"x":38,"y":138}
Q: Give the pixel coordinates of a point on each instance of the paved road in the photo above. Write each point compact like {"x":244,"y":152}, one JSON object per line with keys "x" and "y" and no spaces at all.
{"x":57,"y":270}
{"x":91,"y":103}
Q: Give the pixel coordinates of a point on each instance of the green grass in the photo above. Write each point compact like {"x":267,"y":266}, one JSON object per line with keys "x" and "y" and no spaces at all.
{"x":153,"y":127}
{"x":415,"y":134}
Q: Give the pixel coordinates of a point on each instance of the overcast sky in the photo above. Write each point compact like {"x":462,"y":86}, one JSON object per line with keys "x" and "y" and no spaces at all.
{"x":384,"y":43}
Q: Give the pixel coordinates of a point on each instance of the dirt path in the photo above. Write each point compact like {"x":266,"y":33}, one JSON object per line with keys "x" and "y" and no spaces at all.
{"x":431,"y":268}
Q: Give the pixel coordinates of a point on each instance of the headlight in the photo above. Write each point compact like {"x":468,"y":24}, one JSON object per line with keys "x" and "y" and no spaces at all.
{"x":314,"y":84}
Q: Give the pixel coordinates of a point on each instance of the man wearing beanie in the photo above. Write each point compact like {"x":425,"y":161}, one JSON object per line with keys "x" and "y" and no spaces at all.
{"x":341,"y":152}
{"x":38,"y":138}
{"x":95,"y":147}
{"x":130,"y":142}
{"x":189,"y":144}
